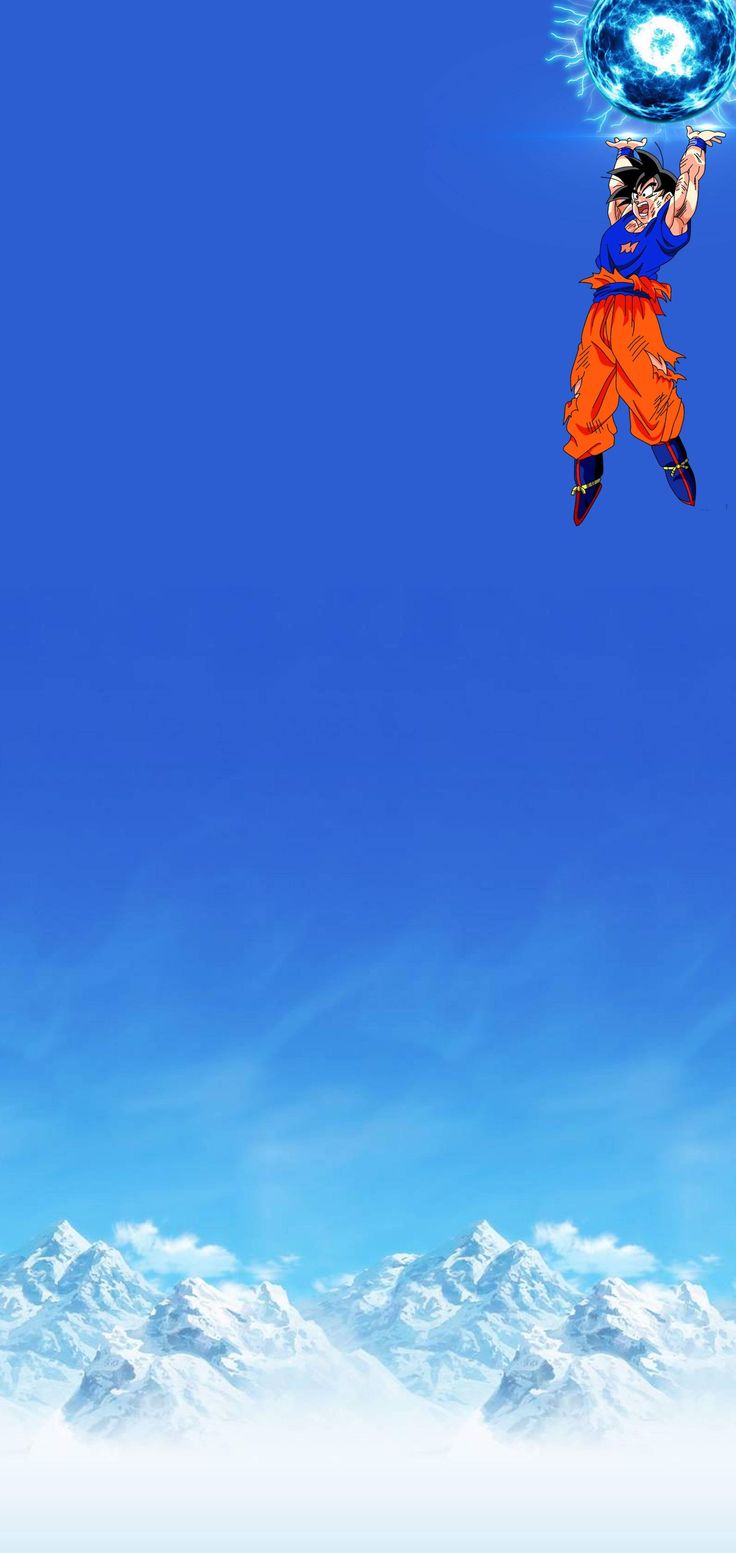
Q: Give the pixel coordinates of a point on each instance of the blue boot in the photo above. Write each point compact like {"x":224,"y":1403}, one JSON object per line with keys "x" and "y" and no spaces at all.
{"x":673,"y":459}
{"x":588,"y":477}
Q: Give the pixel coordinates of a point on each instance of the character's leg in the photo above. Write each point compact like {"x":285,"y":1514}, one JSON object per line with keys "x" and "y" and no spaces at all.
{"x":588,"y":485}
{"x":589,"y":414}
{"x":648,"y":385}
{"x":672,"y":458}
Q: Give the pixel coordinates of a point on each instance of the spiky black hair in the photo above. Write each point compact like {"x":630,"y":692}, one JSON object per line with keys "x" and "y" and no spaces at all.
{"x":643,"y":166}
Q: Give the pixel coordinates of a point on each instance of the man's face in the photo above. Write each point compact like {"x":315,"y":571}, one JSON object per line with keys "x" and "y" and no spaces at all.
{"x":647,"y":198}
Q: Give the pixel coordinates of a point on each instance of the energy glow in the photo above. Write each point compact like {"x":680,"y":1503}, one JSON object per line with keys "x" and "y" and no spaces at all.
{"x":665,"y":45}
{"x":665,"y":64}
{"x":661,"y":65}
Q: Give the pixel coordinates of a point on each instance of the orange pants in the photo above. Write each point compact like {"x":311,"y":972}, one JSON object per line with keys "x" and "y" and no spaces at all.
{"x":622,"y":355}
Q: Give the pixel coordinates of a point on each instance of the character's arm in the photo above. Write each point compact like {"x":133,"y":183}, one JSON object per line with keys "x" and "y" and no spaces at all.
{"x":619,"y":201}
{"x":681,"y":208}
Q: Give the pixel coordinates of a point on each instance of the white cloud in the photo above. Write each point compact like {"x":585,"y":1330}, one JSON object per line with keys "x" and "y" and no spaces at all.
{"x":326,"y":1285}
{"x":179,"y":1254}
{"x":596,"y":1254}
{"x":658,"y":1294}
{"x":264,"y":1272}
{"x":694,"y":1269}
{"x":237,"y":1295}
{"x":687,"y":1272}
{"x":274,"y":1269}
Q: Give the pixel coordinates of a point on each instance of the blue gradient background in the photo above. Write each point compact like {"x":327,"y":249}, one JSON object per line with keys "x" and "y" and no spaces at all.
{"x":367,"y":833}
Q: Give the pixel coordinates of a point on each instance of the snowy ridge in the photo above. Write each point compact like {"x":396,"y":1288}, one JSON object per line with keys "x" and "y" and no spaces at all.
{"x":59,"y":1298}
{"x":449,"y":1322}
{"x":31,"y":1277}
{"x":654,"y":1333}
{"x":618,"y":1360}
{"x":481,"y":1324}
{"x":199,"y":1363}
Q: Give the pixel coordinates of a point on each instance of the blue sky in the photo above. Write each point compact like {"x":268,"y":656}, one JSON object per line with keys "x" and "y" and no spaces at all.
{"x":367,"y":833}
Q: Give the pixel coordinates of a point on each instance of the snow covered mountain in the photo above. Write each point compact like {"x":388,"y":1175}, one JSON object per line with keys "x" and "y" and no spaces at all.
{"x":59,"y":1299}
{"x":481,"y":1323}
{"x":655,"y":1331}
{"x":620,"y":1359}
{"x":207,"y":1359}
{"x":448,"y":1323}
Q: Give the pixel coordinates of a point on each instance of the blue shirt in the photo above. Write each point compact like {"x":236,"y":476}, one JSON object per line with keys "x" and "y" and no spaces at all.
{"x":637,"y":253}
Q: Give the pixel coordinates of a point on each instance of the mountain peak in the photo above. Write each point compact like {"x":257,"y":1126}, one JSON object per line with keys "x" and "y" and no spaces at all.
{"x":613,"y":1289}
{"x":57,"y":1246}
{"x":693,"y":1305}
{"x":693,"y":1294}
{"x":274,"y":1294}
{"x":520,"y":1250}
{"x":484,"y":1235}
{"x":479,"y":1245}
{"x":66,"y":1237}
{"x":192,"y":1286}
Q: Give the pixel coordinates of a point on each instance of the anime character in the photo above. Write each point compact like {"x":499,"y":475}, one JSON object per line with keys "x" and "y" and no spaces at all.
{"x":622,"y":353}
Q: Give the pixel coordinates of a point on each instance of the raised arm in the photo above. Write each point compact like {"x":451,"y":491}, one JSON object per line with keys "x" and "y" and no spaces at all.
{"x":682,"y":206}
{"x":619,"y":200}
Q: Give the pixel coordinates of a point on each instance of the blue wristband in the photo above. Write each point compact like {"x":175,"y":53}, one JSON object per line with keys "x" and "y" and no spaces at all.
{"x":696,"y":141}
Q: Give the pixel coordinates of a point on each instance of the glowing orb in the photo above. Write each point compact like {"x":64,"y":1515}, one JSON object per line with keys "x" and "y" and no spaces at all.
{"x":665,"y":61}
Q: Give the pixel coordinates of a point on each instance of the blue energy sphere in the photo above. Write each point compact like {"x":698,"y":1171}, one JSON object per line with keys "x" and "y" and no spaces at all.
{"x":662,"y":61}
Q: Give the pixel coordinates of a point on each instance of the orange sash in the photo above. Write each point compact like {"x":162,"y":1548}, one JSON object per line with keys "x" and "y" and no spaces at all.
{"x":651,"y":289}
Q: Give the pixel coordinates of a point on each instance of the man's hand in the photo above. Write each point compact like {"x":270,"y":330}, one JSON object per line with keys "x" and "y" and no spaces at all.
{"x":628,"y":144}
{"x":712,"y":137}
